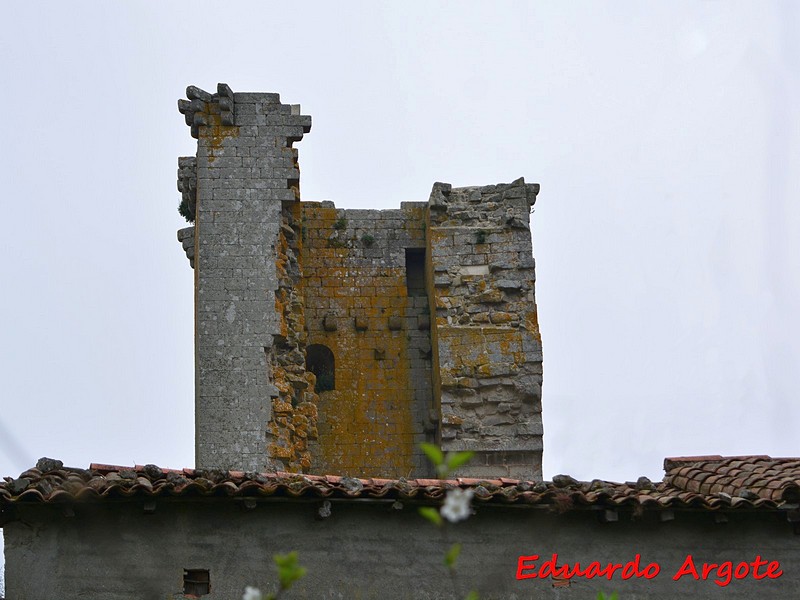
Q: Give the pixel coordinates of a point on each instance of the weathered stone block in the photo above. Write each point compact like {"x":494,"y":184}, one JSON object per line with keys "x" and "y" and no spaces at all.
{"x":395,"y":323}
{"x":499,"y":317}
{"x":329,"y":323}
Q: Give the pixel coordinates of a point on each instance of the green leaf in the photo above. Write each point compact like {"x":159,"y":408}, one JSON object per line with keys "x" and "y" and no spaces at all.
{"x":451,"y":556}
{"x":289,"y":569}
{"x":456,"y":459}
{"x":602,"y":596}
{"x":431,"y":514}
{"x":473,"y":595}
{"x":433,"y":453}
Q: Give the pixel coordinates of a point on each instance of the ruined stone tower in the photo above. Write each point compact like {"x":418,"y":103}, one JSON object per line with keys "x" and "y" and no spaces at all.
{"x":335,"y":341}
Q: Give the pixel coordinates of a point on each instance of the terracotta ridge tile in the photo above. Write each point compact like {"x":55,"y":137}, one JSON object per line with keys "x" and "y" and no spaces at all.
{"x":468,"y":481}
{"x":428,"y":482}
{"x":381,"y":482}
{"x":676,"y":461}
{"x":105,"y":467}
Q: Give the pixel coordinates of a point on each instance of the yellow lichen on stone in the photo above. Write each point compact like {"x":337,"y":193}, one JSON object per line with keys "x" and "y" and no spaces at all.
{"x":216,"y":133}
{"x":365,"y":424}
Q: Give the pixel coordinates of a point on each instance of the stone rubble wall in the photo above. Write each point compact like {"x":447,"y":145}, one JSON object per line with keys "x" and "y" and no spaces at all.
{"x":294,"y":411}
{"x":487,"y":346}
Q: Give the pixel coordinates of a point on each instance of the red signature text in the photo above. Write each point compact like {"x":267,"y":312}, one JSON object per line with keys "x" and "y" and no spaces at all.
{"x":528,"y":569}
{"x":724,"y":572}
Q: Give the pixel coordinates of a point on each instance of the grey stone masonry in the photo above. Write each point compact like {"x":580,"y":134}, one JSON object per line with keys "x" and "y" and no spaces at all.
{"x":487,"y":348}
{"x":332,"y":340}
{"x":245,"y":169}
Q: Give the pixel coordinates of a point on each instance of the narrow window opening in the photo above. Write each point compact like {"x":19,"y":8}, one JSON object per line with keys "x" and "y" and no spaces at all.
{"x":415,"y":271}
{"x":320,"y":361}
{"x":196,"y":582}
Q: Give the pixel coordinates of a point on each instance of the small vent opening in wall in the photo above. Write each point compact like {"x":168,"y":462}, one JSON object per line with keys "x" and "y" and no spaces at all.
{"x":196,"y":582}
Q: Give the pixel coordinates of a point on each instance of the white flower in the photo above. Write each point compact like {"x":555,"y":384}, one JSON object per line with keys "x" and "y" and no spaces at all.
{"x":456,"y":505}
{"x":251,"y":593}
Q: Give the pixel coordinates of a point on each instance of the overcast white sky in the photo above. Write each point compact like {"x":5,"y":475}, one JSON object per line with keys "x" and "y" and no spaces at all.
{"x":665,"y":136}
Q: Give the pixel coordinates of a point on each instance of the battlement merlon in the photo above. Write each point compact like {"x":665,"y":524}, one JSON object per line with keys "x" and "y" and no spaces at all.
{"x":203,"y":109}
{"x":516,"y":197}
{"x":265,"y":130}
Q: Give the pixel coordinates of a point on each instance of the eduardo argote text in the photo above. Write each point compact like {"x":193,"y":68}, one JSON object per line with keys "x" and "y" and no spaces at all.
{"x":530,"y":567}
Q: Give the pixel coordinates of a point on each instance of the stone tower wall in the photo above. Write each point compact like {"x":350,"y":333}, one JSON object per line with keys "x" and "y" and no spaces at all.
{"x":487,"y":348}
{"x":357,"y":304}
{"x":245,"y":169}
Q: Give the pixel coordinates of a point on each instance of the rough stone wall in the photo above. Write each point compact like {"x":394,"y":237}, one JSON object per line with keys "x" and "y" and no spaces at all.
{"x":357,"y":304}
{"x":487,"y":347}
{"x":375,"y":551}
{"x":245,"y":168}
{"x":294,"y":422}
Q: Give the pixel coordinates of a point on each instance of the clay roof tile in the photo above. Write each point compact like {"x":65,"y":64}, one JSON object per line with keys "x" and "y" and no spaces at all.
{"x":690,"y":482}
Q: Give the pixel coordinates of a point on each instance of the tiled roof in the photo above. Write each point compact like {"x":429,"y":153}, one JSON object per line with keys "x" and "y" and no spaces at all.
{"x":749,"y":477}
{"x":706,"y":483}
